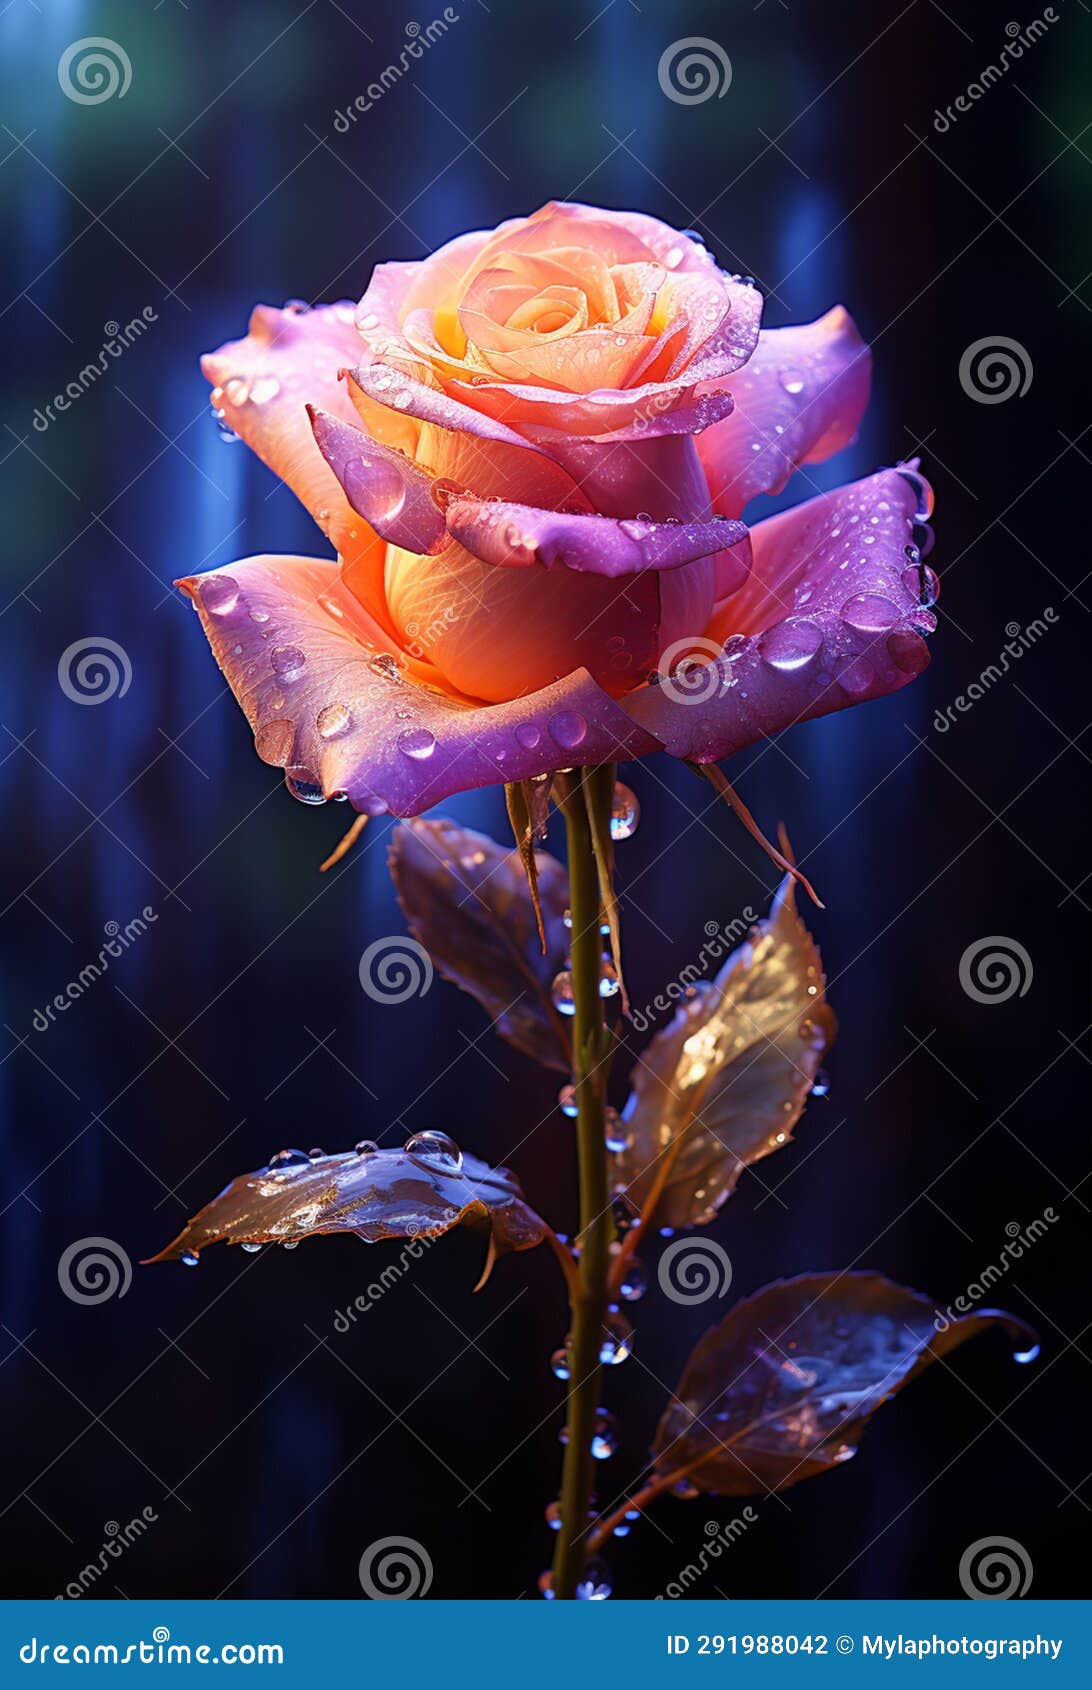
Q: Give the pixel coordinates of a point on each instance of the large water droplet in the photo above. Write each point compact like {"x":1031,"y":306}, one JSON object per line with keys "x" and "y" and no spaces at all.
{"x":251,"y":1246}
{"x":273,"y":742}
{"x":288,"y":661}
{"x":304,"y":785}
{"x":609,"y":983}
{"x":625,"y":812}
{"x":566,"y":1102}
{"x":789,"y":646}
{"x":188,"y":1259}
{"x":569,"y":728}
{"x":365,"y":1147}
{"x":333,"y":719}
{"x":289,"y":1159}
{"x":436,"y":1152}
{"x":560,"y":1364}
{"x":417,"y":743}
{"x":616,"y":1342}
{"x":528,"y":734}
{"x":635,"y":1282}
{"x":604,"y":1437}
{"x":618,"y":1133}
{"x":561,"y":993}
{"x":869,"y":613}
{"x":220,"y":594}
{"x":386,"y":665}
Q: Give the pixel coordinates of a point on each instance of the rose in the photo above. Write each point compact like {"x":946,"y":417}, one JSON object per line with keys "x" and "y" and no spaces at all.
{"x":531,"y":452}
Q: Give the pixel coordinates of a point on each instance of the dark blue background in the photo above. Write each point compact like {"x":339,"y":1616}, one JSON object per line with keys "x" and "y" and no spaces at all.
{"x":272,"y":1449}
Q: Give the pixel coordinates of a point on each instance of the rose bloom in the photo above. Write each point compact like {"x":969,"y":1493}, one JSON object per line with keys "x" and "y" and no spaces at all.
{"x":531,"y":453}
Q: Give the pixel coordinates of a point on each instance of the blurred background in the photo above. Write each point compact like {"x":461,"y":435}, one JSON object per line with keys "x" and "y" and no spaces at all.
{"x":264,"y":1448}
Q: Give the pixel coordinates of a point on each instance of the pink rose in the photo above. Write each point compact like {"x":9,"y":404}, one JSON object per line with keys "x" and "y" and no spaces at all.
{"x":532,"y":452}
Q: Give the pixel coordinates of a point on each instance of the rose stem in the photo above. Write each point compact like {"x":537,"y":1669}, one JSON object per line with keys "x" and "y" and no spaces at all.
{"x":589,"y":1303}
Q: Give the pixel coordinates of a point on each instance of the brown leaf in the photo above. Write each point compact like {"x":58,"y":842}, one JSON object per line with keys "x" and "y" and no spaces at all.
{"x":467,"y":902}
{"x":784,"y":1386}
{"x":528,"y":803}
{"x":725,"y":1082}
{"x":374,"y":1193}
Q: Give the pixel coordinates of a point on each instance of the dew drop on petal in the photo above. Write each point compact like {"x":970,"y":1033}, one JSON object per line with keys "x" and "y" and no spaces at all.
{"x":333,"y":719}
{"x":273,"y":742}
{"x":436,"y":1152}
{"x":288,"y":661}
{"x":304,"y":785}
{"x":569,"y":728}
{"x":791,"y":381}
{"x":869,"y":613}
{"x":417,"y":743}
{"x":219,"y":594}
{"x":789,"y":646}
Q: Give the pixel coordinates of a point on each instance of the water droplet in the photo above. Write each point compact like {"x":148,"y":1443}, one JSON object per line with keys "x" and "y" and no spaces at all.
{"x":790,"y":381}
{"x":562,"y":993}
{"x":290,"y":1244}
{"x":868,"y":613}
{"x":288,"y":1159}
{"x":304,"y":785}
{"x":635,"y":1282}
{"x":604,"y":1437}
{"x":189,"y":1259}
{"x":332,"y":720}
{"x":288,"y":661}
{"x":566,"y":1102}
{"x":528,"y":735}
{"x":553,"y":1516}
{"x":616,"y":1342}
{"x":417,"y":743}
{"x":316,"y":1153}
{"x":546,"y":1585}
{"x":908,"y":651}
{"x":923,"y":583}
{"x":264,"y":388}
{"x":569,"y":728}
{"x":365,"y":1147}
{"x":436,"y":1152}
{"x":619,"y":1136}
{"x":625,"y":812}
{"x":1026,"y":1356}
{"x":251,"y":1246}
{"x":625,"y":1525}
{"x":609,"y":983}
{"x":273,"y":742}
{"x":220,"y":594}
{"x":789,"y":646}
{"x":844,"y":1452}
{"x":820,"y":1086}
{"x":559,"y":1363}
{"x":385,"y":664}
{"x":685,"y":1489}
{"x":594,"y":1583}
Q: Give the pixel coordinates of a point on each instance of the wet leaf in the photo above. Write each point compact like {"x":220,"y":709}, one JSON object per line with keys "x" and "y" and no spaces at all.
{"x":726,"y":1081}
{"x":467,"y":901}
{"x":376,"y":1193}
{"x":528,"y":803}
{"x":784,"y":1386}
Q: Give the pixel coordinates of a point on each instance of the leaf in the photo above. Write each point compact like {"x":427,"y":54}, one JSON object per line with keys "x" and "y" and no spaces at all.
{"x":467,"y":902}
{"x":784,"y":1386}
{"x":376,"y":1194}
{"x":528,"y":803}
{"x":724,"y":1083}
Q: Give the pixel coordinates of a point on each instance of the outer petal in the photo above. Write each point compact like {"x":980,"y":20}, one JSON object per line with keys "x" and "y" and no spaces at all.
{"x":525,"y":536}
{"x":383,"y":485}
{"x":832,"y":614}
{"x":798,"y":400}
{"x":332,"y":708}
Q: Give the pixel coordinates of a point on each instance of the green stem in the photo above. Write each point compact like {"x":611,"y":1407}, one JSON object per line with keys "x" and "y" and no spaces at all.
{"x":589,"y":1301}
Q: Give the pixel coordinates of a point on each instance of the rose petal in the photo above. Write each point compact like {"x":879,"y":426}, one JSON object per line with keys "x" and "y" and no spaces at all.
{"x":381,"y":484}
{"x":329,"y":704}
{"x":831,"y":615}
{"x":797,"y":401}
{"x":524,"y":536}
